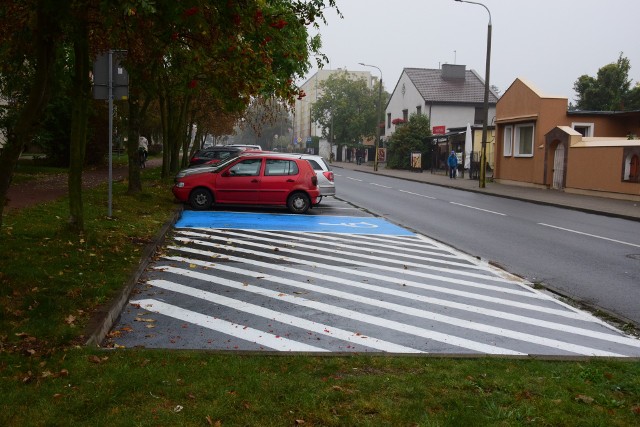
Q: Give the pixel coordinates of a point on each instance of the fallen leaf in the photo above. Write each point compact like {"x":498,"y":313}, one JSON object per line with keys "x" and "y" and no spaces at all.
{"x":70,"y":319}
{"x":583,"y":398}
{"x":299,"y":422}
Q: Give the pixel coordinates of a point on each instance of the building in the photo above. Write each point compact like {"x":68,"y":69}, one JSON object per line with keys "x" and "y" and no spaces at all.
{"x":539,"y":142}
{"x":303,"y":127}
{"x":451,"y":97}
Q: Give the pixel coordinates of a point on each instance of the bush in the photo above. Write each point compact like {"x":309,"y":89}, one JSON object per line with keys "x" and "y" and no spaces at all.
{"x":409,"y":137}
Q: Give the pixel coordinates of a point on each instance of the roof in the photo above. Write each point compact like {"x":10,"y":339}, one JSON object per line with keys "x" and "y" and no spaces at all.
{"x":434,"y":88}
{"x":606,"y":142}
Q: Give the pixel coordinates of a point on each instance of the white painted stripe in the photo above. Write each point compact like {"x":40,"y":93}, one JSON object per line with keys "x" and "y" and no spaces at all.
{"x":243,"y":332}
{"x":388,"y":253}
{"x":568,"y":314}
{"x":276,"y":316}
{"x":478,"y":209}
{"x":356,"y":261}
{"x":590,"y":235}
{"x":416,"y":194}
{"x":342,"y":312}
{"x":424,"y":314}
{"x":369,"y":275}
{"x":354,"y":179}
{"x":379,"y":185}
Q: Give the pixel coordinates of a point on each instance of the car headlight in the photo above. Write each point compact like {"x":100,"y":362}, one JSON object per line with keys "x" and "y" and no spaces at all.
{"x":179,"y":184}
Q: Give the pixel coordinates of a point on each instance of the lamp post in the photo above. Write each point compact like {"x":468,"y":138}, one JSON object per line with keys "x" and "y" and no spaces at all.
{"x":375,"y":161}
{"x":483,"y":152}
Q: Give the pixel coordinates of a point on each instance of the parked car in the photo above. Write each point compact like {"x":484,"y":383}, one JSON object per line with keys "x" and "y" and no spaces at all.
{"x":246,"y":146}
{"x":213,"y":155}
{"x":251,"y":178}
{"x":324,"y":173}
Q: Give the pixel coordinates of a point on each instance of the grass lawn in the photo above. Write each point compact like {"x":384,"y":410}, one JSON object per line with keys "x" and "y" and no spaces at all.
{"x":52,"y":282}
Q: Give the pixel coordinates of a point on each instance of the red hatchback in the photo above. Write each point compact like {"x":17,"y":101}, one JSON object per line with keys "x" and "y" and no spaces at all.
{"x":252,"y":179}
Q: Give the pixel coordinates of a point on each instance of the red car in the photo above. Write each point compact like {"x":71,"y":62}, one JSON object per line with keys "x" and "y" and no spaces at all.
{"x":251,"y":179}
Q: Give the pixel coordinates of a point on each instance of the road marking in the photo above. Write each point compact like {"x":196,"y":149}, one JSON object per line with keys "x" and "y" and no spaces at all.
{"x":554,"y":326}
{"x":276,"y":316}
{"x":589,"y":235}
{"x":360,"y":224}
{"x":342,"y":312}
{"x":416,"y":194}
{"x":354,"y":179}
{"x":479,"y":209}
{"x":254,"y":335}
{"x":379,"y":185}
{"x":404,"y":269}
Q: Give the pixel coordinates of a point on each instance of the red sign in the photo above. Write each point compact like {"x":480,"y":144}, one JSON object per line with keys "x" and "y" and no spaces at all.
{"x":439,"y":130}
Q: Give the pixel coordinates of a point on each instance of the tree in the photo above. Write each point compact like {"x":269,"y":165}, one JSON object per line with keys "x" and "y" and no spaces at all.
{"x":609,"y":91}
{"x":408,"y":137}
{"x":347,"y":108}
{"x":263,"y":120}
{"x":29,"y":39}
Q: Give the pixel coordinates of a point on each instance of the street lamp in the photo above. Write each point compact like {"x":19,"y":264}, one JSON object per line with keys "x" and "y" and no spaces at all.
{"x":483,"y":152}
{"x":375,"y":161}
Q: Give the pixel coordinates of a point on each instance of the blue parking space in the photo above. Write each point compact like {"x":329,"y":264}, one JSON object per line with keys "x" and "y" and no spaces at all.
{"x":286,"y":222}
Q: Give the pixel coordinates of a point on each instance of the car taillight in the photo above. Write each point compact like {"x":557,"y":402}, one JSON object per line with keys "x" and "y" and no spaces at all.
{"x":328,"y":175}
{"x":314,"y":180}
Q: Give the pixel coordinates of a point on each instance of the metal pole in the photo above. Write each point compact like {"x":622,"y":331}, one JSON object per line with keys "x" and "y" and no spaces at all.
{"x":375,"y":161}
{"x":483,"y":151}
{"x":109,"y":210}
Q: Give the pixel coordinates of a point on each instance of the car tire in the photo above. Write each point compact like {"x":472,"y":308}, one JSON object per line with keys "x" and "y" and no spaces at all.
{"x":298,"y":202}
{"x":200,"y":199}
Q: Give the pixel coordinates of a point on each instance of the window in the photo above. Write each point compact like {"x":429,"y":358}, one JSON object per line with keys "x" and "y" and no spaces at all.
{"x":523,"y":140}
{"x":419,"y":110}
{"x":507,"y":141}
{"x":586,"y":129}
{"x":281,"y":167}
{"x":388,"y":120}
{"x":405,"y":115}
{"x":478,"y":117}
{"x":249,"y":167}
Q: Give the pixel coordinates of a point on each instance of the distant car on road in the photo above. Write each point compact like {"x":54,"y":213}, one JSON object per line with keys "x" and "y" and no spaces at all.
{"x":246,"y":146}
{"x":251,"y":178}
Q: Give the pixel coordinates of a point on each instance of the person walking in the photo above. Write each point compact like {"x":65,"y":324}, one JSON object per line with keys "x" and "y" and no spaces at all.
{"x":452,"y":161}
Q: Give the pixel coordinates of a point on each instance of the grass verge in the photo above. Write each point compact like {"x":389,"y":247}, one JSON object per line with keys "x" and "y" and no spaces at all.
{"x":52,"y":281}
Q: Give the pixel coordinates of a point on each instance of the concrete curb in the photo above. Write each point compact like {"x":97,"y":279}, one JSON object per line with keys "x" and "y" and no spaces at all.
{"x":104,"y":319}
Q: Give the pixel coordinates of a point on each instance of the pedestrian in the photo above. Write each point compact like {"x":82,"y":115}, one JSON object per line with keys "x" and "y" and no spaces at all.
{"x":359,"y":156}
{"x":452,"y":161}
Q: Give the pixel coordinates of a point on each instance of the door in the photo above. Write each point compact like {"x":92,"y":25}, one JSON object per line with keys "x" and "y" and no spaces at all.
{"x":280,"y":177}
{"x":634,"y":168}
{"x":558,"y":168}
{"x":240,"y":183}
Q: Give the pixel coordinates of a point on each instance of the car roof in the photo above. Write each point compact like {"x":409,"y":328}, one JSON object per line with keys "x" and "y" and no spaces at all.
{"x":221,"y":148}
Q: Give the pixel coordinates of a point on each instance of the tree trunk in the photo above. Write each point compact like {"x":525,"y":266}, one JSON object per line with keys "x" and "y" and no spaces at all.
{"x":79,"y":118}
{"x":28,"y":118}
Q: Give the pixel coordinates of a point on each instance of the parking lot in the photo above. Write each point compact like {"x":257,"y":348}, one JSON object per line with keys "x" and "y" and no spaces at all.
{"x":340,"y":280}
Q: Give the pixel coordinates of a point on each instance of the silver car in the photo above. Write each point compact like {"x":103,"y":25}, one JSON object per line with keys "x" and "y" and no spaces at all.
{"x":325,"y":175}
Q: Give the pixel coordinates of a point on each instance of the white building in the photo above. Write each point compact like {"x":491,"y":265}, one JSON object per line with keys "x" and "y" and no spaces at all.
{"x":451,"y":97}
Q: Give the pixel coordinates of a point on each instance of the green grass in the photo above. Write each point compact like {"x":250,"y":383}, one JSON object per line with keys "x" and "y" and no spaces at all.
{"x":52,"y":281}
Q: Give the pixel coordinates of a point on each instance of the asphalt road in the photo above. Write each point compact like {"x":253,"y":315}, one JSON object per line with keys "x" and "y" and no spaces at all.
{"x":590,"y":258}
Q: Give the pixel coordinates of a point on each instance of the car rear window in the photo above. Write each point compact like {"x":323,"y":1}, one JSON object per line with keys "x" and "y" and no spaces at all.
{"x":281,"y":167}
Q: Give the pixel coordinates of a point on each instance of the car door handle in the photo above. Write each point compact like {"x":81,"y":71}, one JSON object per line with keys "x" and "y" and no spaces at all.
{"x":291,"y":180}
{"x":255,"y":180}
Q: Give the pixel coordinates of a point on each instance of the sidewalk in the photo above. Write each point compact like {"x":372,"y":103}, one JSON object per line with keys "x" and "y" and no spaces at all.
{"x":592,"y":204}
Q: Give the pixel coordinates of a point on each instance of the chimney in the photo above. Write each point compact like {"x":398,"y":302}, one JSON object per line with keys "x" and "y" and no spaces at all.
{"x":453,"y":72}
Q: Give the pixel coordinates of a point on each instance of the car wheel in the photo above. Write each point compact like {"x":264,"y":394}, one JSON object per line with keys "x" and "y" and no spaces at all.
{"x":298,"y":203}
{"x":200,"y":199}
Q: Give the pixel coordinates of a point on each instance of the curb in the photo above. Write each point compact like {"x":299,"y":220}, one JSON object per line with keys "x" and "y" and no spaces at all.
{"x":104,"y":319}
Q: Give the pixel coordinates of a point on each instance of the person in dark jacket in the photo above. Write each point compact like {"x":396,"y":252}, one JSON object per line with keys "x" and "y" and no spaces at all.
{"x":452,"y":161}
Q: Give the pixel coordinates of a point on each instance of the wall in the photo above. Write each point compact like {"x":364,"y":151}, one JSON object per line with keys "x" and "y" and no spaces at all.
{"x":598,"y":169}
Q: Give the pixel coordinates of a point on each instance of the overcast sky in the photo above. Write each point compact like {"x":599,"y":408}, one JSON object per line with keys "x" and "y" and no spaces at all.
{"x":550,"y":43}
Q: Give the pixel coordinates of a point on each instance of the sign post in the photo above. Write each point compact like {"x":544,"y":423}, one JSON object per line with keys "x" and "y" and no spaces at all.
{"x":110,"y":80}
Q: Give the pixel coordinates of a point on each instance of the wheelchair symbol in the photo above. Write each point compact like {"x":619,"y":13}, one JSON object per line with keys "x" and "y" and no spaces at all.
{"x":351,"y":224}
